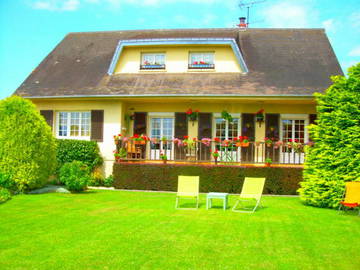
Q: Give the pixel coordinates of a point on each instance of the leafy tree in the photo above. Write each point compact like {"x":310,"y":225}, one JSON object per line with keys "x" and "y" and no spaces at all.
{"x":335,"y":156}
{"x":27,"y":146}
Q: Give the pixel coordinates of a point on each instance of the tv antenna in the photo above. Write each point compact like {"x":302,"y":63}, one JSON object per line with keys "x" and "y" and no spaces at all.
{"x":248,"y":5}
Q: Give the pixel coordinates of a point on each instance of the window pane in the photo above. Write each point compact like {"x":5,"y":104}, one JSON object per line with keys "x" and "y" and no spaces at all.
{"x":63,"y":124}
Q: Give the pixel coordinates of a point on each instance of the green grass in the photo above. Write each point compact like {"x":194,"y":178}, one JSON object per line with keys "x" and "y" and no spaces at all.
{"x":139,"y":230}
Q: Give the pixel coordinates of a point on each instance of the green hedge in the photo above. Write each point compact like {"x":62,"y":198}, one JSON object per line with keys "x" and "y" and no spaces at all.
{"x":84,"y":151}
{"x":279,"y":180}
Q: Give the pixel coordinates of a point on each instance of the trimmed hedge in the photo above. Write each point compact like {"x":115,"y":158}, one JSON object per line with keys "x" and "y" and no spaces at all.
{"x":84,"y":151}
{"x":140,"y":176}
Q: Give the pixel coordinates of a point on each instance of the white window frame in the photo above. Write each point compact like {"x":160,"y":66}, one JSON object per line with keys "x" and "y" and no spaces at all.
{"x":154,"y":54}
{"x":202,"y":54}
{"x":155,"y":153}
{"x":69,"y":124}
{"x":234,"y":115}
{"x":304,"y":117}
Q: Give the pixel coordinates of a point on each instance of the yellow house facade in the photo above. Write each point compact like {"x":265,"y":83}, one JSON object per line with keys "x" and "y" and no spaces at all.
{"x":93,"y":86}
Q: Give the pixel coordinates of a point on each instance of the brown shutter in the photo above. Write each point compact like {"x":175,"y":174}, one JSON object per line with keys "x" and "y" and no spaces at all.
{"x":49,"y":116}
{"x":181,"y":130}
{"x":97,"y":125}
{"x":272,"y":131}
{"x":204,"y":131}
{"x":312,"y":118}
{"x":248,"y":129}
{"x":205,"y":124}
{"x":140,"y":123}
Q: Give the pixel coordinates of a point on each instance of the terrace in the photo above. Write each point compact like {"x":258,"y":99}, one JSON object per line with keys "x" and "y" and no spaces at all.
{"x":236,"y":151}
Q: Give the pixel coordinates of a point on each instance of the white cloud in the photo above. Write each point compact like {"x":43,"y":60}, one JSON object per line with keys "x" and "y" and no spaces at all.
{"x":286,"y":15}
{"x":57,"y":5}
{"x":355,"y":52}
{"x":355,"y":20}
{"x":329,"y":25}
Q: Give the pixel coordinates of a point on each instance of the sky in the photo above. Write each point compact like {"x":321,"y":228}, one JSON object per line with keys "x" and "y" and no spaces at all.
{"x":30,"y":29}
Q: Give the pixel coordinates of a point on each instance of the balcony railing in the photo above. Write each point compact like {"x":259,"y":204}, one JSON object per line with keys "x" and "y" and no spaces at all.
{"x":150,"y":67}
{"x":201,"y":66}
{"x":232,"y":153}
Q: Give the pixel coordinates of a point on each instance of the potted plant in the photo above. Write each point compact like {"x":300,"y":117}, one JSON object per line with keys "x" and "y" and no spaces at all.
{"x":259,"y":116}
{"x":226,"y":116}
{"x":139,"y":139}
{"x":120,"y":155}
{"x":215,"y":155}
{"x":268,"y":162}
{"x":192,"y":115}
{"x":268,"y":142}
{"x":163,"y":157}
{"x":245,"y":141}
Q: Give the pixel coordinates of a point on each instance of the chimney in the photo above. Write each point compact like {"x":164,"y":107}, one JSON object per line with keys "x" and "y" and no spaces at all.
{"x":242,"y":23}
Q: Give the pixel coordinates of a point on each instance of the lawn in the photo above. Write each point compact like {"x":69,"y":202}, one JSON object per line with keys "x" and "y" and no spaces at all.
{"x":142,"y":230}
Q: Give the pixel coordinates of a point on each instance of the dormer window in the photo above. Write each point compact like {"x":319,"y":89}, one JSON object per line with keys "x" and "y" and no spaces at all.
{"x":152,"y":61}
{"x":201,"y":60}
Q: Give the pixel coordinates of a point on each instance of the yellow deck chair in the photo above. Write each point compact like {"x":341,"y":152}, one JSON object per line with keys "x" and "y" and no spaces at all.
{"x":251,"y":190}
{"x":188,"y":187}
{"x":352,"y":195}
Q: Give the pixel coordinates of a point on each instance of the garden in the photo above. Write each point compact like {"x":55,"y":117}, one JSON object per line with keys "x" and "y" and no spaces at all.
{"x":88,"y":228}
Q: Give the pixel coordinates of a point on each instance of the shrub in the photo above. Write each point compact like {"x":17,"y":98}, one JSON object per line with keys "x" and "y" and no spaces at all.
{"x":279,"y":180}
{"x":96,"y":179}
{"x":7,"y":182}
{"x":4,"y":195}
{"x":84,"y":151}
{"x":109,"y":181}
{"x":28,"y":148}
{"x":335,"y":156}
{"x":75,"y":175}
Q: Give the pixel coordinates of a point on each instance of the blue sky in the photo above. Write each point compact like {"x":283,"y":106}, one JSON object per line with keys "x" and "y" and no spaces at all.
{"x":30,"y":29}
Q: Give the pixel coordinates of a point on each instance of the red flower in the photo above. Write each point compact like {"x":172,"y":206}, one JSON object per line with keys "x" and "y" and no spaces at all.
{"x":196,"y":111}
{"x":119,"y":135}
{"x":194,"y":139}
{"x":189,"y":111}
{"x":186,"y":137}
{"x":136,"y":136}
{"x":216,"y":139}
{"x":195,"y":63}
{"x":260,"y":111}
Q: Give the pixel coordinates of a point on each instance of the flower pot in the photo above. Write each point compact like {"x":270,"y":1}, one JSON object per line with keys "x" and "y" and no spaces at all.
{"x":268,"y":144}
{"x":216,"y":160}
{"x":164,"y":161}
{"x":238,"y":144}
{"x":267,"y":164}
{"x":245,"y":144}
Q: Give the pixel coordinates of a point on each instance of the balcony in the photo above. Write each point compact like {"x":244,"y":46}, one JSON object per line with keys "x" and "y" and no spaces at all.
{"x":230,"y":153}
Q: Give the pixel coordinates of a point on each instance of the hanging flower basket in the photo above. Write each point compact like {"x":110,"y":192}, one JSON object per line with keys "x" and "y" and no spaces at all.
{"x":192,"y":115}
{"x":259,"y":116}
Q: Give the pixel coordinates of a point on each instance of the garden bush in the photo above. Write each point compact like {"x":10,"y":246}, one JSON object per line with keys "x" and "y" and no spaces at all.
{"x":27,"y":146}
{"x":109,"y":181}
{"x":279,"y":180}
{"x":4,"y":195}
{"x":75,"y":175}
{"x":96,"y":178}
{"x":335,"y":156}
{"x":84,"y":151}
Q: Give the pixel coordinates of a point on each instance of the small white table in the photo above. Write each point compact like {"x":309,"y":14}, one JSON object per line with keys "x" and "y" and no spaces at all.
{"x":216,"y":195}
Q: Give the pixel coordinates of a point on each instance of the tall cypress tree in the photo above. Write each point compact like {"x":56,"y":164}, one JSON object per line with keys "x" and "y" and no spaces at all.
{"x":335,"y":156}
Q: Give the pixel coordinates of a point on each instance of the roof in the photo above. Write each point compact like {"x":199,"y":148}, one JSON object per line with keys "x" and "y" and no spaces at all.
{"x":281,"y":62}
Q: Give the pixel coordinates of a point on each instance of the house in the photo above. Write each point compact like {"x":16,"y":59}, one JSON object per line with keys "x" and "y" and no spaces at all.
{"x":95,"y":85}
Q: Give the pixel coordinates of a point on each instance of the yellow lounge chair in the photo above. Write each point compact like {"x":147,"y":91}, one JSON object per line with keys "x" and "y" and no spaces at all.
{"x":251,"y":190}
{"x":188,"y":187}
{"x":352,"y":195}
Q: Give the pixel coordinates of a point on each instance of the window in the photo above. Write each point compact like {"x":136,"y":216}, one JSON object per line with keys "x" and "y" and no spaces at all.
{"x":152,"y":61}
{"x":225,"y":130}
{"x":162,"y":128}
{"x":201,"y":60}
{"x":293,"y":130}
{"x":73,"y":125}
